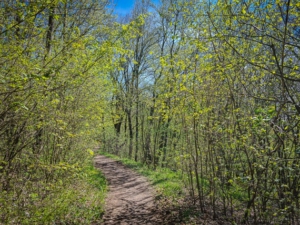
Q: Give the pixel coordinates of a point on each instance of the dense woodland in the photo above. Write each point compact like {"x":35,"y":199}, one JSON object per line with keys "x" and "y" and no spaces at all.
{"x":210,"y":89}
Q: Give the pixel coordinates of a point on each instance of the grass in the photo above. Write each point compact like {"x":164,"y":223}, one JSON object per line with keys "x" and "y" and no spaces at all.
{"x":95,"y":178}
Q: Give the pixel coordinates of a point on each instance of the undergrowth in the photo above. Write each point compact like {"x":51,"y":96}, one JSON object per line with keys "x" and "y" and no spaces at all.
{"x":78,"y":199}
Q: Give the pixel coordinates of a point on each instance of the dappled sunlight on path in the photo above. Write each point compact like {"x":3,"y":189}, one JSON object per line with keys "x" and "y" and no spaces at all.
{"x":130,"y":198}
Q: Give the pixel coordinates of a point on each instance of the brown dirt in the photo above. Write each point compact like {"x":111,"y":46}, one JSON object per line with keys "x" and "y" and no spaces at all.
{"x":130,"y":198}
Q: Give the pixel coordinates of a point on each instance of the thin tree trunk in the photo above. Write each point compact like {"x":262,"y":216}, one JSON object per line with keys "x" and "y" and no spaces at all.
{"x":49,"y":35}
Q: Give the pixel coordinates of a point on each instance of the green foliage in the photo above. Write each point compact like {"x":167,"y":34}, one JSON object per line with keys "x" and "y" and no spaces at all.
{"x":210,"y":89}
{"x":55,"y":57}
{"x":219,"y":102}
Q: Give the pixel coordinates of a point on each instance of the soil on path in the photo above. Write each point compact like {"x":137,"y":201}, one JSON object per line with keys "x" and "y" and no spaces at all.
{"x":130,"y":198}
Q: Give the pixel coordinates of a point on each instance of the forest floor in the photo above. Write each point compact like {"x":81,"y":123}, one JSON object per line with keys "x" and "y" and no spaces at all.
{"x":132,"y":200}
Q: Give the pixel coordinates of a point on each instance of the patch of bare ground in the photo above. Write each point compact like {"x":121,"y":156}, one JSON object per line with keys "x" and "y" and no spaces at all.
{"x":132,"y":200}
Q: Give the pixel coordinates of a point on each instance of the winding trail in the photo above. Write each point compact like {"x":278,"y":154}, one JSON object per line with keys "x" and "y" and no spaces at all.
{"x":130,"y":198}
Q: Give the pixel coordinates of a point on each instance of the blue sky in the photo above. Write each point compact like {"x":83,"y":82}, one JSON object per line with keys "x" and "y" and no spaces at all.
{"x":123,"y":6}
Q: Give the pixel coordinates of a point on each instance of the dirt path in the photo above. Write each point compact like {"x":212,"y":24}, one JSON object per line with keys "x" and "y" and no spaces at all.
{"x":130,"y":198}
